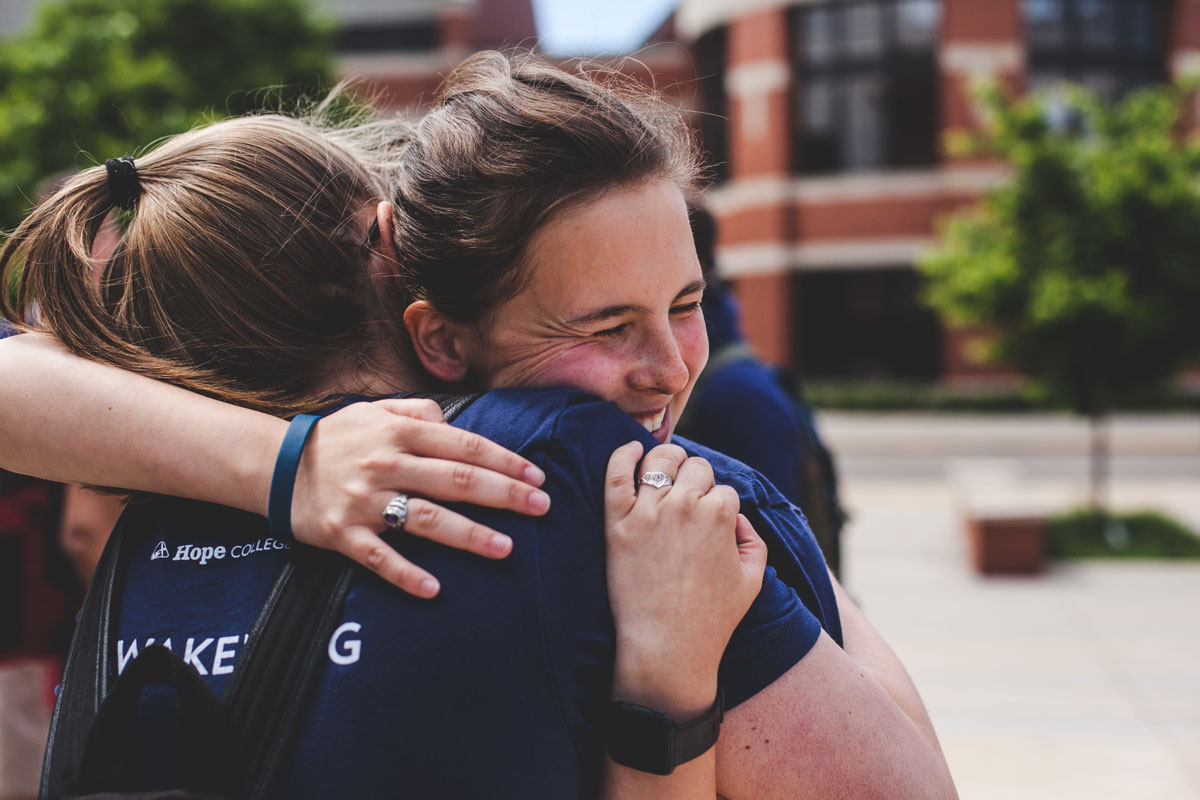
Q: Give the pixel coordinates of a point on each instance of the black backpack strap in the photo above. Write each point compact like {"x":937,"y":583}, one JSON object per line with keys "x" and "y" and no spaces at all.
{"x":85,"y":676}
{"x":269,"y":693}
{"x":208,"y":759}
{"x":91,"y":749}
{"x":232,"y":747}
{"x":276,"y":674}
{"x":451,"y":404}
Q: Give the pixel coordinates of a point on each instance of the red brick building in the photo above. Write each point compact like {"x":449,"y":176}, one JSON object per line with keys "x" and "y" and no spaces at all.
{"x":824,"y":120}
{"x":403,"y":48}
{"x":835,"y":172}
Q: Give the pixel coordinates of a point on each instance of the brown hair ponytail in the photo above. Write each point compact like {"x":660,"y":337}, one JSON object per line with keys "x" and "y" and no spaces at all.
{"x":240,"y":272}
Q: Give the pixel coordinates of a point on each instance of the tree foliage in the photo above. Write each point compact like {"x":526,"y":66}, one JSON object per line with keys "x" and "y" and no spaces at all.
{"x":95,"y":79}
{"x":1088,"y":261}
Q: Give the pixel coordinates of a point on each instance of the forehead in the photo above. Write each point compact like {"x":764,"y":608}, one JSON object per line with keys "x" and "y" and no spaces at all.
{"x":628,"y":243}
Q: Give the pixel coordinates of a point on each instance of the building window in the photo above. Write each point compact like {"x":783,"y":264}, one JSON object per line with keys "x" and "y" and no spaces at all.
{"x":389,"y":37}
{"x":865,"y":323}
{"x":866,"y":87}
{"x":1110,"y":46}
{"x":713,"y":120}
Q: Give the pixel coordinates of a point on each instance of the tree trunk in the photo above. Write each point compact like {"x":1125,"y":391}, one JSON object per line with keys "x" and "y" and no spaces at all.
{"x":1098,"y":495}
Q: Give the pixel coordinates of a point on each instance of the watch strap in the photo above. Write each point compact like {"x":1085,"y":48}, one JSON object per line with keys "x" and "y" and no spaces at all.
{"x":697,"y":737}
{"x":651,"y":741}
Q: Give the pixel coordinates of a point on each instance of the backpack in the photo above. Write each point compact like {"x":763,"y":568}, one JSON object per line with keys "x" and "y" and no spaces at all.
{"x":817,"y":482}
{"x":234,"y":746}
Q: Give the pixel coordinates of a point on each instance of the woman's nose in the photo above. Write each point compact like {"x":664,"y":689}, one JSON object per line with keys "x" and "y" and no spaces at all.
{"x":661,"y":367}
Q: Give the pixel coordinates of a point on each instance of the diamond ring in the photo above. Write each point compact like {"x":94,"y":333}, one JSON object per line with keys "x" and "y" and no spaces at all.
{"x":396,"y":512}
{"x":656,"y":479}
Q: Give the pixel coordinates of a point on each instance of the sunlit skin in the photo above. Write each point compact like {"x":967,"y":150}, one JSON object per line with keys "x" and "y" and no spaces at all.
{"x":611,"y":307}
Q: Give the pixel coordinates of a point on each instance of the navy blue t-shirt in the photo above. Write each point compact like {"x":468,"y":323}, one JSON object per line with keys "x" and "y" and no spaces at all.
{"x":496,"y":687}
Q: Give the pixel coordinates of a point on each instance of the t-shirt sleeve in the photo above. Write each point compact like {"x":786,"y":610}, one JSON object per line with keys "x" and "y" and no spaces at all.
{"x":774,"y":635}
{"x":776,"y":632}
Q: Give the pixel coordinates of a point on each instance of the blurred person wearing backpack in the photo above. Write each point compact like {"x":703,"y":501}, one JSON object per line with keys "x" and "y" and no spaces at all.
{"x":755,"y":411}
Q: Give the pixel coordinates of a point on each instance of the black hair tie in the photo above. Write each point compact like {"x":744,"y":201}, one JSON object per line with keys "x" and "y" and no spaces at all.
{"x":123,"y":182}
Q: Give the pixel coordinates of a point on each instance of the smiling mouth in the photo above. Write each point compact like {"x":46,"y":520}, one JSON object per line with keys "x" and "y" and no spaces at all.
{"x":653,"y":423}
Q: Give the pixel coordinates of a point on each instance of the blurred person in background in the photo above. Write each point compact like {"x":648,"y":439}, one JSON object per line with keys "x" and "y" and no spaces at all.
{"x":39,"y":595}
{"x":754,"y":411}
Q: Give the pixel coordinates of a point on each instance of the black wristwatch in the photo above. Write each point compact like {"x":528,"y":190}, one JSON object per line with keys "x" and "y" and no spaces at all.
{"x":651,"y":741}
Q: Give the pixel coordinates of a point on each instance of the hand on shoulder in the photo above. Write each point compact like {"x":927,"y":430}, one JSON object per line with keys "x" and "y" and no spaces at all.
{"x":363,"y":456}
{"x":683,"y":568}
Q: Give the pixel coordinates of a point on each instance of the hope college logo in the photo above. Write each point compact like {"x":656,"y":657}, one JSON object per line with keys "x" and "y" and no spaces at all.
{"x":202,"y":555}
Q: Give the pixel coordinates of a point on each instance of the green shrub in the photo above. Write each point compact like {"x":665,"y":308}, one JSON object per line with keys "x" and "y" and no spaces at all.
{"x":1147,"y":534}
{"x":97,"y":79}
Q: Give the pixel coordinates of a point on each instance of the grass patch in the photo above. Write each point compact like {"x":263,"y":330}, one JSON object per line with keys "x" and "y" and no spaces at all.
{"x":1145,"y":534}
{"x":909,"y":396}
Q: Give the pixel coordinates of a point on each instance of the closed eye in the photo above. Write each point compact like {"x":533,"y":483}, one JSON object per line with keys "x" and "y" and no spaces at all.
{"x":608,"y":333}
{"x":686,"y":308}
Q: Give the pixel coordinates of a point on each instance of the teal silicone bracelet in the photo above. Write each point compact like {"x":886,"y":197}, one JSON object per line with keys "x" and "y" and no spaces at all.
{"x":283,"y":481}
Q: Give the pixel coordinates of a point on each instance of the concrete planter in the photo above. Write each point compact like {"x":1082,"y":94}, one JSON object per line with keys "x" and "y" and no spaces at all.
{"x":1007,"y":545}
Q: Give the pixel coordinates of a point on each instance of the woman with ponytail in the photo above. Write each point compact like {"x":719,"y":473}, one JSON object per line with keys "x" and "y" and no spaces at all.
{"x":240,"y":271}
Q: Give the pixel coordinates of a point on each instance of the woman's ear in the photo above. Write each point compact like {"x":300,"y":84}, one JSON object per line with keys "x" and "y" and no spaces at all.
{"x":383,"y":253}
{"x":387,"y":235}
{"x":438,"y":342}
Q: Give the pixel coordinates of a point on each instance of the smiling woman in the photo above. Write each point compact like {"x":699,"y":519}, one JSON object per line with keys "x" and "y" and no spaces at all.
{"x":635,"y":337}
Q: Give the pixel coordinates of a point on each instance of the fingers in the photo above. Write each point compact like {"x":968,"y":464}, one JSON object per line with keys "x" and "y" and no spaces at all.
{"x":431,"y":521}
{"x":694,"y":476}
{"x":454,"y":481}
{"x":424,"y":433}
{"x":725,"y":502}
{"x":752,"y":550}
{"x":417,"y":408}
{"x":620,"y":485}
{"x":665,"y":458}
{"x":368,"y":549}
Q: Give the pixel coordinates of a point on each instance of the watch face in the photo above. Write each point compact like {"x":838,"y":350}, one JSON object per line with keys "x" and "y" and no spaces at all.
{"x":641,"y":738}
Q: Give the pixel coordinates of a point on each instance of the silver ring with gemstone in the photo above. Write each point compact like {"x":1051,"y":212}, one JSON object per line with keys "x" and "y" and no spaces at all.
{"x":656,"y":479}
{"x":395,"y":513}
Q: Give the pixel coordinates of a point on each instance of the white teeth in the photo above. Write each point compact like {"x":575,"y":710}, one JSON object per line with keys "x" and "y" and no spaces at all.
{"x":654,"y":423}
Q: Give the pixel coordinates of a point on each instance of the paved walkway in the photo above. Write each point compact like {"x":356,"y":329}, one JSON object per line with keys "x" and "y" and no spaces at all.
{"x":1081,"y":683}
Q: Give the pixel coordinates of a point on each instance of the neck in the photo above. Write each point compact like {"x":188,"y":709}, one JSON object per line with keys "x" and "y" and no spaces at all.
{"x":384,"y":370}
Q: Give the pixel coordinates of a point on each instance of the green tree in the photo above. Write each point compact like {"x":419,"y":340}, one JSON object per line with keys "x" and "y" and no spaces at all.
{"x":95,"y":79}
{"x":1086,"y":261}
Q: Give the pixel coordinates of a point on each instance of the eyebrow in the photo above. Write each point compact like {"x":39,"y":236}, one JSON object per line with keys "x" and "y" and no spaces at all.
{"x":608,"y":312}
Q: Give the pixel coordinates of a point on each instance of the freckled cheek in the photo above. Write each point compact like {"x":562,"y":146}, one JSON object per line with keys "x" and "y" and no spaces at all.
{"x":591,"y":371}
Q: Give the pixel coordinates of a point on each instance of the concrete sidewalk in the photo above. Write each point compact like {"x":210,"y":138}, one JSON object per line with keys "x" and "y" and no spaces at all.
{"x":1081,"y":683}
